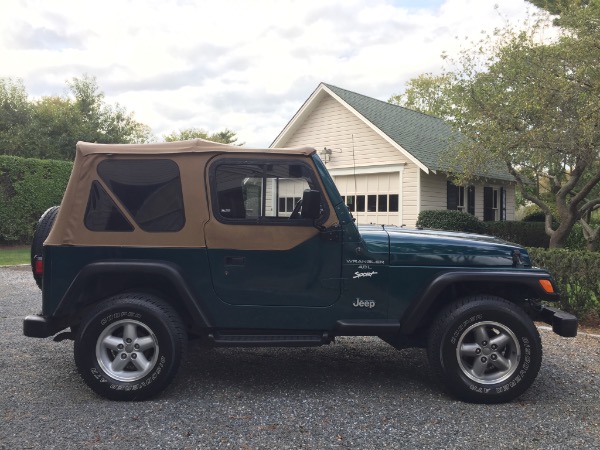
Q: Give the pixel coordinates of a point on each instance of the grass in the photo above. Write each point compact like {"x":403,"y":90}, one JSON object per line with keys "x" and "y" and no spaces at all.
{"x":11,"y":256}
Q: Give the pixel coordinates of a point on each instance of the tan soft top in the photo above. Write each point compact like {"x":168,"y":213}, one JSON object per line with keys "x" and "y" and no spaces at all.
{"x":192,"y":158}
{"x":191,"y":146}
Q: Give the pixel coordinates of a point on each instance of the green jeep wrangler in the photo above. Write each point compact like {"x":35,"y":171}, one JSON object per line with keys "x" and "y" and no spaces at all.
{"x":155,"y":244}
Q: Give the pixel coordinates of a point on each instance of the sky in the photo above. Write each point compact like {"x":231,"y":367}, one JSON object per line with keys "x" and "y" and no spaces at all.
{"x":243,"y":65}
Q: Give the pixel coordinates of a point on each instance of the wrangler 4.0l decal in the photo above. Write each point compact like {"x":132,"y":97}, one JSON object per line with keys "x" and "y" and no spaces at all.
{"x":365,"y":261}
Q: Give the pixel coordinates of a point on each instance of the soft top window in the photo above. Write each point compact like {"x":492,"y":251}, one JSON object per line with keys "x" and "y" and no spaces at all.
{"x":101,"y":213}
{"x":150,"y":189}
{"x":251,"y":192}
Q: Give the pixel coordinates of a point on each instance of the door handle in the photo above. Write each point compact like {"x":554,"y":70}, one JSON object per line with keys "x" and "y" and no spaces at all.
{"x":235,"y":260}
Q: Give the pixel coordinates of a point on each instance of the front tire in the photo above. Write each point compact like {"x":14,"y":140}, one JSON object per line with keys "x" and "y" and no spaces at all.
{"x":130,"y":347}
{"x":484,"y":349}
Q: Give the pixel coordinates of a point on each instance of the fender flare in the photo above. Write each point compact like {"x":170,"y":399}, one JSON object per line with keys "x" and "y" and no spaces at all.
{"x":149,"y":268}
{"x":415,"y":313}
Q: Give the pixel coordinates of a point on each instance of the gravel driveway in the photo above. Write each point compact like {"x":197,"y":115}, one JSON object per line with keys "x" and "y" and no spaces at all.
{"x":358,"y":393}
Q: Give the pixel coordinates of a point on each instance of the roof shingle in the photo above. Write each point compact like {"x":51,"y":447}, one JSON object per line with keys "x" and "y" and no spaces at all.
{"x":426,"y":138}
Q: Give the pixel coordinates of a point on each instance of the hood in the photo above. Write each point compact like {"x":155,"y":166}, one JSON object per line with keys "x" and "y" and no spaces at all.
{"x":413,"y":247}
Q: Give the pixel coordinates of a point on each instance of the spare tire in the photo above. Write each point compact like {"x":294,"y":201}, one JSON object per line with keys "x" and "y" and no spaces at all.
{"x":42,"y":230}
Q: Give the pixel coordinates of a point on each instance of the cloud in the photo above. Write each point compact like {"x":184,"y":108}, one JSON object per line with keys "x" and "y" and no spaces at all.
{"x":247,"y":66}
{"x":27,"y":37}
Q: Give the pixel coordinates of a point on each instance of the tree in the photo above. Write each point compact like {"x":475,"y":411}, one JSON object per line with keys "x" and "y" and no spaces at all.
{"x":558,"y":6}
{"x":225,"y":136}
{"x":534,"y":107}
{"x":103,"y":123}
{"x":15,"y":114}
{"x":51,"y":126}
{"x":427,"y":93}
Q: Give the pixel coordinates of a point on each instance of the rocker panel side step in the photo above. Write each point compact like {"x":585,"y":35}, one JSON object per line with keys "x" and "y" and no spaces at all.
{"x":269,"y":340}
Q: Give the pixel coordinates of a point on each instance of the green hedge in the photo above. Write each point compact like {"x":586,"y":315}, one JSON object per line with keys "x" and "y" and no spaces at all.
{"x":27,"y":188}
{"x":527,"y":234}
{"x":577,"y":274}
{"x":450,"y":220}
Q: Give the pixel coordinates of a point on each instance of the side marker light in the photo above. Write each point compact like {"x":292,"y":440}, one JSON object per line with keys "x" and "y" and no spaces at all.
{"x":547,"y":286}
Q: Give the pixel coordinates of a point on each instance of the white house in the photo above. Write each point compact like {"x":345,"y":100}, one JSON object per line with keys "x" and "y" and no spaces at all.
{"x":387,"y":160}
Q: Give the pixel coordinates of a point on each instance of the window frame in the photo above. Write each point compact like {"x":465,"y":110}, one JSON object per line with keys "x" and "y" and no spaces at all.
{"x":264,"y":220}
{"x":103,"y":172}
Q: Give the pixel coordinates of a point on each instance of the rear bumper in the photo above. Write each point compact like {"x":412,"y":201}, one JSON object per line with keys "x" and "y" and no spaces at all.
{"x":40,"y":326}
{"x":563,"y":323}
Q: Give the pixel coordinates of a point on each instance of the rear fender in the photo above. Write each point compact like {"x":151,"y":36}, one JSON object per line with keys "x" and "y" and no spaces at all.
{"x":75,"y":298}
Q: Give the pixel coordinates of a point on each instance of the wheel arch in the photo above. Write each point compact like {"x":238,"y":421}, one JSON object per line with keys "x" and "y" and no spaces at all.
{"x":514,"y":286}
{"x":104,"y":279}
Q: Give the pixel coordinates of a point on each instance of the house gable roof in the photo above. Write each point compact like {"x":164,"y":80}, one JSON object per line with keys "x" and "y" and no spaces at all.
{"x":422,"y":138}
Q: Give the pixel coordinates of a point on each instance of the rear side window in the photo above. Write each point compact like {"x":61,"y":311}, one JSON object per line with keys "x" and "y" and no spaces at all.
{"x":102,"y":214}
{"x":150,"y":190}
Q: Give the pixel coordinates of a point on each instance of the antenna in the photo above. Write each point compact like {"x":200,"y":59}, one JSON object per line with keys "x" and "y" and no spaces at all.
{"x":355,"y":188}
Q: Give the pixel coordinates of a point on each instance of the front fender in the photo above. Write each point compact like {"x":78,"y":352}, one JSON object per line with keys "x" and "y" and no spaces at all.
{"x":529,"y":280}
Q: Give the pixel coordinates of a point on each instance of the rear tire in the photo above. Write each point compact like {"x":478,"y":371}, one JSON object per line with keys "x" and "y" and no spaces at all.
{"x":485,"y":349}
{"x":42,"y":230}
{"x":130,"y":347}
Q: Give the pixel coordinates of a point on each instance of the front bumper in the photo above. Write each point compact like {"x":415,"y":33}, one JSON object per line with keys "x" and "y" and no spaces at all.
{"x":40,"y":326}
{"x":563,"y":323}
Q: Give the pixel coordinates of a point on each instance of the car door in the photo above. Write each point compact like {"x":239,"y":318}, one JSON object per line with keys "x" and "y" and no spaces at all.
{"x":260,"y":251}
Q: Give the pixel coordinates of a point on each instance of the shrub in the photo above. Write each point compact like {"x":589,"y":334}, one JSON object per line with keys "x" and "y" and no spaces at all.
{"x":577,"y":274}
{"x":449,"y":220}
{"x":527,"y":234}
{"x":533,"y":213}
{"x":536,"y":216}
{"x":576,"y":241}
{"x":27,"y":188}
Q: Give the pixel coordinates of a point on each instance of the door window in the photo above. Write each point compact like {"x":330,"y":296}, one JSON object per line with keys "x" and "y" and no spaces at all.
{"x":260,"y":192}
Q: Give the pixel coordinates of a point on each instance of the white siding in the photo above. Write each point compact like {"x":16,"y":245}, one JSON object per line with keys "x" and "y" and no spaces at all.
{"x":433,"y":192}
{"x":356,"y":145}
{"x":510,"y":199}
{"x":511,"y":202}
{"x":353,"y":142}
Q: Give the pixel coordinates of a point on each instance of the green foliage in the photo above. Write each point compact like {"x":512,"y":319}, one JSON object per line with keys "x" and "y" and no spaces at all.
{"x":527,"y":234}
{"x":531,"y":234}
{"x":558,"y":6}
{"x":532,"y":106}
{"x":449,"y":220}
{"x":225,"y":136}
{"x":535,"y":216}
{"x":428,"y":94}
{"x":27,"y":188}
{"x":51,"y":126}
{"x":15,"y":114}
{"x":577,"y":274}
{"x":576,"y":240}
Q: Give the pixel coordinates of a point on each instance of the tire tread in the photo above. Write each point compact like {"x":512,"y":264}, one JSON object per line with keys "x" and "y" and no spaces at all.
{"x":440,"y":326}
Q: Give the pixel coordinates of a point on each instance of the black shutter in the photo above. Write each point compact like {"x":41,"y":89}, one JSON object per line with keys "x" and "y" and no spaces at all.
{"x":452,"y":196}
{"x":471,"y":200}
{"x":502,"y":204}
{"x":488,"y":204}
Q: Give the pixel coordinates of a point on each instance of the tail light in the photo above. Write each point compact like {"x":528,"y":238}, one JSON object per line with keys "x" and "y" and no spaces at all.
{"x":38,"y":265}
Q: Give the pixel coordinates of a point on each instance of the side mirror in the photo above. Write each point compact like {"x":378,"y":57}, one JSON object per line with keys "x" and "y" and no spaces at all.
{"x":311,"y":204}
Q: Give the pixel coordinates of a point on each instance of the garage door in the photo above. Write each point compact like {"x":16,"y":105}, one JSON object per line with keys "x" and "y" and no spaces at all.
{"x":372,"y":198}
